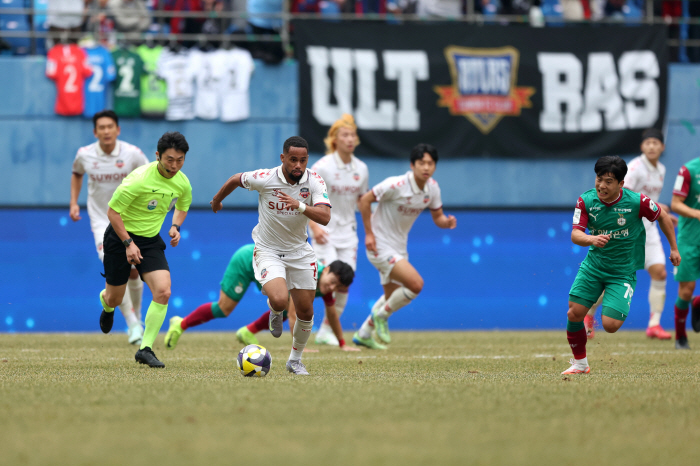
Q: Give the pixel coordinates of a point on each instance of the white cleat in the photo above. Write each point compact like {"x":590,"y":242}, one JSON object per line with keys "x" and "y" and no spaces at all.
{"x":135,"y":334}
{"x":295,"y":366}
{"x":576,"y":368}
{"x":325,"y":337}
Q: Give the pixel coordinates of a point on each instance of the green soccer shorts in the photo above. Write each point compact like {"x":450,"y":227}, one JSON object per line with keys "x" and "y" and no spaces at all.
{"x":239,"y":274}
{"x":689,"y":268}
{"x":589,"y":284}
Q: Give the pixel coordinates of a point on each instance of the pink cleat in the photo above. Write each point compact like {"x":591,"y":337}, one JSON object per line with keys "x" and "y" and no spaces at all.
{"x":576,"y":368}
{"x":589,"y":324}
{"x":657,"y":332}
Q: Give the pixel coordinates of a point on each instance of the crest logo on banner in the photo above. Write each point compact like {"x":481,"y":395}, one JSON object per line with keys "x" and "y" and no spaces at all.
{"x":483,"y":86}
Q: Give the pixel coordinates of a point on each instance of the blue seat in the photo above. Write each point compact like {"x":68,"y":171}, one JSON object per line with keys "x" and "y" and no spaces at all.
{"x":20,"y":45}
{"x":552,"y":11}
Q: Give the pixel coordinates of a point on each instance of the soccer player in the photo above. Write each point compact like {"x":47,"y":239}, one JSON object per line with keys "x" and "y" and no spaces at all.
{"x":284,"y":263}
{"x":617,"y":236}
{"x":645,"y":175}
{"x":401,"y":199}
{"x":347,"y":179}
{"x":107,"y":162}
{"x":136,"y":214}
{"x":686,"y":203}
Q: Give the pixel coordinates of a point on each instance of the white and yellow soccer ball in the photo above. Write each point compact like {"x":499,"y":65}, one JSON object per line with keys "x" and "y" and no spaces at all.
{"x":254,"y":361}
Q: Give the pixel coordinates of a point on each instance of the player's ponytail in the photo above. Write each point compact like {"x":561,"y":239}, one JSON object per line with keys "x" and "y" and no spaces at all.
{"x":346,"y":121}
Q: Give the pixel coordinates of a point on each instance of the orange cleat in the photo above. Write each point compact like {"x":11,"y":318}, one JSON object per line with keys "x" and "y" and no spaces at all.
{"x":589,"y":324}
{"x":576,"y":369}
{"x":657,"y":332}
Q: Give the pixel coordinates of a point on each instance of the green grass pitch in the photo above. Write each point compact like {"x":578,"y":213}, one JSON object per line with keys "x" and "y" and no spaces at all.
{"x":434,"y":398}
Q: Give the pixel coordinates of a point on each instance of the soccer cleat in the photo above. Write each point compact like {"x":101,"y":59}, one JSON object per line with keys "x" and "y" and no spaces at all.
{"x":576,"y":368}
{"x":682,"y":343}
{"x":367,"y":342}
{"x":695,"y":317}
{"x":135,"y":334}
{"x":658,"y":332}
{"x":381,"y":327}
{"x":147,"y":356}
{"x":246,"y":337}
{"x":106,"y":321}
{"x":295,"y":366}
{"x":174,"y":332}
{"x":276,"y":321}
{"x":589,"y":325}
{"x":324,"y":337}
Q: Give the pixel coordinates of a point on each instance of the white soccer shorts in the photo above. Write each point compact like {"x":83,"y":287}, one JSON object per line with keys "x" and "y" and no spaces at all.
{"x":384,"y":261}
{"x":327,"y":253}
{"x":298,"y":268}
{"x":653,"y":251}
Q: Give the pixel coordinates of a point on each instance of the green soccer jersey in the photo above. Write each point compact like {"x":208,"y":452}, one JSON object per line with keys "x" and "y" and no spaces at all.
{"x":154,"y":96}
{"x":127,"y":85}
{"x":622,"y":220}
{"x":688,"y":185}
{"x":145,"y":196}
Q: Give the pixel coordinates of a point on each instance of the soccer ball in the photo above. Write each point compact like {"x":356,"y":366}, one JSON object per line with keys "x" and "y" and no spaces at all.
{"x":254,"y":361}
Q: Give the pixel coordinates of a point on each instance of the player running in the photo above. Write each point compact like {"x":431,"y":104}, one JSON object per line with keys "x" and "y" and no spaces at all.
{"x":284,"y":263}
{"x":645,"y":175}
{"x":347,"y":180}
{"x":686,"y":203}
{"x":107,"y":162}
{"x":136,"y":214}
{"x":238,"y":276}
{"x":401,"y":199}
{"x":617,"y":236}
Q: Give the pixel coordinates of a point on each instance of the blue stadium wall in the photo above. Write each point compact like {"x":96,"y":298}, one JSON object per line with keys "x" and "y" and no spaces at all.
{"x":508,"y":269}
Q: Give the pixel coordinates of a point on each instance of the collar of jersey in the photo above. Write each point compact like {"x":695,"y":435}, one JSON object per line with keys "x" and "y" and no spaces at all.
{"x":342,"y":165}
{"x":114,"y":153}
{"x":650,"y":167}
{"x":303,"y":179}
{"x":414,"y":186}
{"x":613,"y":202}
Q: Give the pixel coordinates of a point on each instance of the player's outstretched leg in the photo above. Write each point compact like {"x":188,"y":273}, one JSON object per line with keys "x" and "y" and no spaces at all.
{"x":276,"y":321}
{"x":172,"y":336}
{"x":363,"y":337}
{"x":302,"y":332}
{"x":681,"y":311}
{"x":199,"y":316}
{"x":325,"y":335}
{"x":135,"y":291}
{"x":657,"y":298}
{"x":107,"y":316}
{"x":576,"y":335}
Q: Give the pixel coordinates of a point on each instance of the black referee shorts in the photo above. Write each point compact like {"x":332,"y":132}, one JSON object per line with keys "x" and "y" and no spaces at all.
{"x":118,"y":268}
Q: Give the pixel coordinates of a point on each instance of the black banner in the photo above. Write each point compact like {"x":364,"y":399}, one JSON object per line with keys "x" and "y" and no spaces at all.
{"x":566,"y":92}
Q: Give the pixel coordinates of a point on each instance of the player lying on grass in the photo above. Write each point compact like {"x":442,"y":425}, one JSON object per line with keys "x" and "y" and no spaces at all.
{"x":617,"y":235}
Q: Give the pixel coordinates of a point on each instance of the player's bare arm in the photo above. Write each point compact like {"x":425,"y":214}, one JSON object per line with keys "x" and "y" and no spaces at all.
{"x":178,"y":218}
{"x":76,"y":184}
{"x":678,"y":206}
{"x":582,"y":239}
{"x":228,"y":187}
{"x":133,"y":253}
{"x":365,"y":206}
{"x":443,"y":221}
{"x":319,"y":214}
{"x":666,"y":225}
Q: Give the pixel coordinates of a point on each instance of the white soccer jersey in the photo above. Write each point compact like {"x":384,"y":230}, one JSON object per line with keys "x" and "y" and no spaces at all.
{"x":282,"y":228}
{"x":207,"y":67}
{"x":345,"y":184}
{"x":105,"y":173}
{"x":643,"y":177}
{"x":400,"y":203}
{"x":236,"y":69}
{"x":178,"y":70}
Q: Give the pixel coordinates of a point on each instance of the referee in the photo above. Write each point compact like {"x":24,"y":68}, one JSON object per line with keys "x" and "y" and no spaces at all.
{"x":136,"y":214}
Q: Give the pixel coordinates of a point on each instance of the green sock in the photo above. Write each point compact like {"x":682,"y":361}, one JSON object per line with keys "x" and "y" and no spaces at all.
{"x":682,"y":303}
{"x":573,"y":326}
{"x":155,"y":316}
{"x":216,"y":311}
{"x":111,"y":309}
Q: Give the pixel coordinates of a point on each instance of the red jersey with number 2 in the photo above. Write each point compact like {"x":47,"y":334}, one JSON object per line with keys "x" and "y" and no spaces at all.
{"x":68,"y":66}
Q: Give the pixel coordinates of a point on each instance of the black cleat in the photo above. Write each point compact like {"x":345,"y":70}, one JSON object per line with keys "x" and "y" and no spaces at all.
{"x":695,"y":317}
{"x":682,"y":343}
{"x":147,"y":356}
{"x":106,"y":321}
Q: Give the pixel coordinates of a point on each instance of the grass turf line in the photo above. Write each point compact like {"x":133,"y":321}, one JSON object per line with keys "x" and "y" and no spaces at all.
{"x":434,"y":398}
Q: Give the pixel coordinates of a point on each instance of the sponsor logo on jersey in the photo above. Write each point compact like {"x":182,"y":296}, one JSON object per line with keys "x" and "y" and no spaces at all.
{"x":152,"y":204}
{"x":426,"y":199}
{"x":95,"y":164}
{"x":239,"y":288}
{"x":483,"y":88}
{"x":392,"y":260}
{"x":304,"y":192}
{"x":621,"y":221}
{"x":276,"y":192}
{"x":263,"y":273}
{"x":119,"y":163}
{"x":356,"y":176}
{"x":653,"y":206}
{"x":325,"y":195}
{"x":172,"y":204}
{"x":595,"y":216}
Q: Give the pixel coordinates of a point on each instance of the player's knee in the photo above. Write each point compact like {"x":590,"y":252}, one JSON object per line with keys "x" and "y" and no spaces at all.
{"x":279,"y":303}
{"x":416,"y":286}
{"x":573,"y":316}
{"x":113,"y":300}
{"x":611,"y":327}
{"x":161,"y":294}
{"x":226,"y":308}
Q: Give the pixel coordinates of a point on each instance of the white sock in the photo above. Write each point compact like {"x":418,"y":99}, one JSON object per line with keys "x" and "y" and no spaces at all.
{"x":657,"y":298}
{"x":135,"y":290}
{"x":581,"y":362}
{"x":368,"y":326}
{"x":398,"y":299}
{"x":125,"y":308}
{"x":302,"y":332}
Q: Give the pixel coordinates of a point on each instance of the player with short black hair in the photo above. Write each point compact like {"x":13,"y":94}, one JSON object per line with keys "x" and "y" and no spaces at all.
{"x":617,"y":235}
{"x":136,"y":214}
{"x":104,"y":114}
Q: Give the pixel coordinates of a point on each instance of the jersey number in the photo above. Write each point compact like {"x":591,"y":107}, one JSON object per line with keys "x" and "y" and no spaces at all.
{"x":629,"y":292}
{"x":96,"y":81}
{"x":72,"y":73}
{"x":126,"y":72}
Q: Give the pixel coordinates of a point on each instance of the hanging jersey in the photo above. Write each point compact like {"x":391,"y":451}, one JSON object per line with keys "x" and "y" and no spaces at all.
{"x":178,"y":70}
{"x":105,"y":172}
{"x":345,"y":185}
{"x":103,"y":73}
{"x":207,"y":69}
{"x":687,"y":185}
{"x":400,"y":202}
{"x":127,"y":85}
{"x":234,"y":87}
{"x":154,"y":96}
{"x":622,"y":220}
{"x":69,"y":67}
{"x":281,"y":228}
